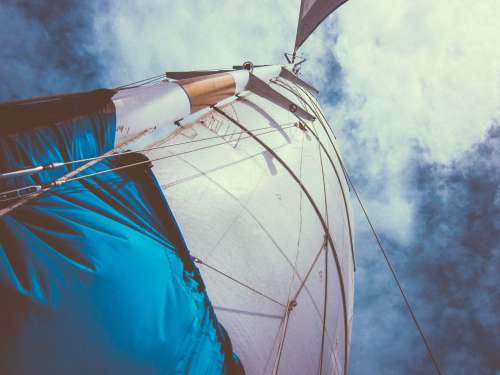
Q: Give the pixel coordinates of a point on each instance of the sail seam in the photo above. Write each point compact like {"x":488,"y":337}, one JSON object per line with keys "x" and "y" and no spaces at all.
{"x":333,"y":166}
{"x":271,"y":238}
{"x":320,"y":217}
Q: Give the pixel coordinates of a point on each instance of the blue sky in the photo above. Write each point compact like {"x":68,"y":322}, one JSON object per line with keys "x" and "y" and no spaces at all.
{"x":413,"y":92}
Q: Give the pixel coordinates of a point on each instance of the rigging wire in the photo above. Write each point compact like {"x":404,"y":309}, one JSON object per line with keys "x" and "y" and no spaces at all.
{"x":396,"y":279}
{"x":165,"y":157}
{"x":325,"y":295}
{"x":199,"y":261}
{"x":386,"y":257}
{"x":282,"y":341}
{"x":319,"y":215}
{"x":31,"y":170}
{"x":142,"y":82}
{"x":279,"y":83}
{"x":34,"y":189}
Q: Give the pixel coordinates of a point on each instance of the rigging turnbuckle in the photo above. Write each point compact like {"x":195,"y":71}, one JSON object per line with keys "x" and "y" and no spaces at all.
{"x":19,"y":193}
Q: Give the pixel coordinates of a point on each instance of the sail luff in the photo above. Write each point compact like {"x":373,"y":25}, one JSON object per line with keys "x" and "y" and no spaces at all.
{"x":311,"y":15}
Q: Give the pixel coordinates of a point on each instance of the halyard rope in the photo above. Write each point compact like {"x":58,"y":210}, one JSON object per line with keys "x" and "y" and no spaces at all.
{"x":384,"y":253}
{"x":102,"y":157}
{"x":62,"y":181}
{"x":320,"y":217}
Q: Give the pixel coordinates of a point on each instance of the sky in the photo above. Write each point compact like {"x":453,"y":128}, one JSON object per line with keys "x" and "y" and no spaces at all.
{"x":412,"y":90}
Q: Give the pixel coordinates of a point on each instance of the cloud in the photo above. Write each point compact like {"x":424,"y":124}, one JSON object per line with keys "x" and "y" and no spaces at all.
{"x":421,"y":71}
{"x":417,"y":124}
{"x":142,"y":39}
{"x":449,"y":271}
{"x":44,"y":52}
{"x":459,"y":213}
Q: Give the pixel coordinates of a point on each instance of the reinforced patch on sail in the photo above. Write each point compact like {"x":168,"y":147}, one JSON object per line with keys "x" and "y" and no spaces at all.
{"x":95,"y":276}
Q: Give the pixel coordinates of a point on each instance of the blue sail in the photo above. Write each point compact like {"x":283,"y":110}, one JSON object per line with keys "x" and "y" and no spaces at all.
{"x":95,"y":276}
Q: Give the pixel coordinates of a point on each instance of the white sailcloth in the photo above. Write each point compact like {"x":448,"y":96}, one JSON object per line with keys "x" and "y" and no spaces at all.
{"x":260,"y":242}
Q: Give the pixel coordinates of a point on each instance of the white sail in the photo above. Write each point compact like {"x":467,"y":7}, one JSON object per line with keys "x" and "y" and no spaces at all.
{"x":253,"y":227}
{"x":256,"y":201}
{"x":251,"y":170}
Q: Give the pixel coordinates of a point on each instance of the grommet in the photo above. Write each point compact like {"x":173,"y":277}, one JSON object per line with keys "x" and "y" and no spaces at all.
{"x":248,"y":65}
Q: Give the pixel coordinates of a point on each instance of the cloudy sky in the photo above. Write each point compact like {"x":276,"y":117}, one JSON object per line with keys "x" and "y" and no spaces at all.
{"x":412,"y":89}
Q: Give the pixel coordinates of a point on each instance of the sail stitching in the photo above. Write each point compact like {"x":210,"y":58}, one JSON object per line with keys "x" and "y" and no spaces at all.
{"x":280,"y":250}
{"x":332,"y":163}
{"x":300,"y":222}
{"x":320,"y":217}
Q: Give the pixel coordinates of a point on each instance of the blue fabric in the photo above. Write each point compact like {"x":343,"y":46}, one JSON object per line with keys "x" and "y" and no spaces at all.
{"x":95,"y":277}
{"x":76,"y":139}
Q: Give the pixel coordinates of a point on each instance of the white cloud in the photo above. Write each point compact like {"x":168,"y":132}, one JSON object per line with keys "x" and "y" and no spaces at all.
{"x":424,"y":71}
{"x":144,"y":38}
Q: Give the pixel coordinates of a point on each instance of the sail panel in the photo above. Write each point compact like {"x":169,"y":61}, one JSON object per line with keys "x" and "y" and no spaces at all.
{"x":94,"y":274}
{"x":312,"y":13}
{"x":243,"y":214}
{"x":44,"y":138}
